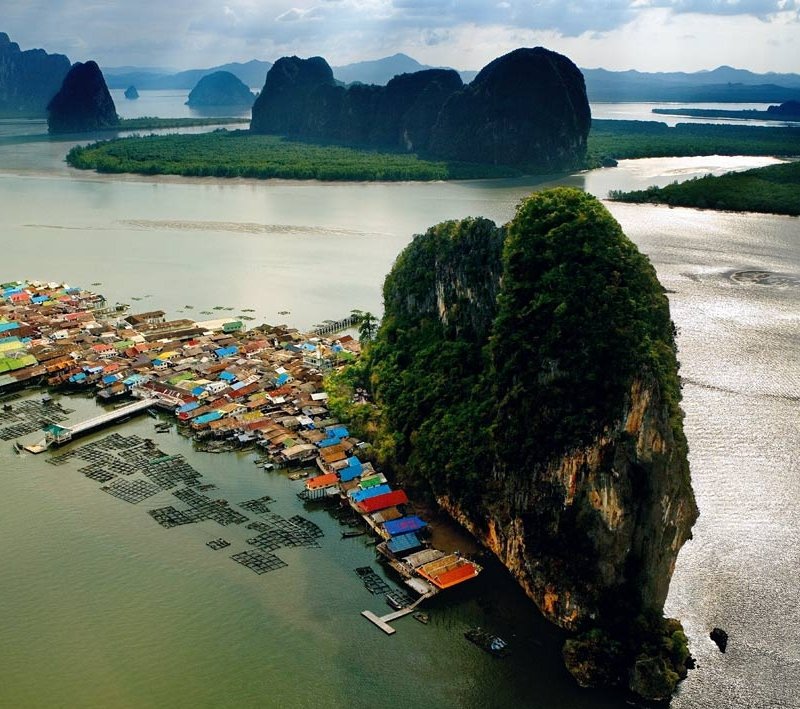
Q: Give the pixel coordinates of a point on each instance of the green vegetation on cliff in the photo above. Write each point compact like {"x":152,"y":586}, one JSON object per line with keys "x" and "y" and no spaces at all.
{"x":773,"y":189}
{"x":532,"y":369}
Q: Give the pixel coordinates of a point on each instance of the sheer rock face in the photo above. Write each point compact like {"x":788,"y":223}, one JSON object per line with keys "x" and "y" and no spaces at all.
{"x":527,"y":108}
{"x":83,"y":103}
{"x":622,"y":499}
{"x":29,"y":79}
{"x":220,"y":89}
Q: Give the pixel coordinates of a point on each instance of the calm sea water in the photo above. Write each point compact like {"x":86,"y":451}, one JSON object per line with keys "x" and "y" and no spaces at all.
{"x":103,"y":607}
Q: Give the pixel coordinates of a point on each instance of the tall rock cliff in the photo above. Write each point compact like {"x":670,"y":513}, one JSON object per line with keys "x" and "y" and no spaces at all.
{"x":83,"y":103}
{"x":527,"y":377}
{"x":29,"y":79}
{"x":301,"y":98}
{"x":527,"y":108}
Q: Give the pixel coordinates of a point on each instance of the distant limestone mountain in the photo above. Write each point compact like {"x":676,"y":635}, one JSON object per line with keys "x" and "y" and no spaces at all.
{"x":29,"y":79}
{"x":220,"y":89}
{"x":378,"y":71}
{"x":83,"y":103}
{"x":527,"y":108}
{"x":381,"y":71}
{"x":723,"y":84}
{"x":251,"y":74}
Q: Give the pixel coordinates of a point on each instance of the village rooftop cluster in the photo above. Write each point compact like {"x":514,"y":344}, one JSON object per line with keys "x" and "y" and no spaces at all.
{"x":228,"y":388}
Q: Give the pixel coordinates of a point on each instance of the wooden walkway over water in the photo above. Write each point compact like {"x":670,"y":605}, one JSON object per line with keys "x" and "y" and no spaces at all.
{"x":383,"y":621}
{"x":331,"y":326}
{"x":56,"y":435}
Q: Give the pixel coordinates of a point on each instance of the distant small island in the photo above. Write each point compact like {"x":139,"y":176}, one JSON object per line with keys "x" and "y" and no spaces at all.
{"x":789,"y":111}
{"x":774,"y":189}
{"x":220,"y":89}
{"x":131,"y":93}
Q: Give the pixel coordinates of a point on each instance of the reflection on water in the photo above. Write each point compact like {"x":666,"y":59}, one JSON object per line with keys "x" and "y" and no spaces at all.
{"x":123,"y":613}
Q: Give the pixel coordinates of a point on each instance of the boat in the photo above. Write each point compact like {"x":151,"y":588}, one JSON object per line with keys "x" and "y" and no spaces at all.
{"x":353,"y":533}
{"x":423,"y":618}
{"x":46,"y":398}
{"x":493,"y":644}
{"x":299,"y":476}
{"x":17,"y":447}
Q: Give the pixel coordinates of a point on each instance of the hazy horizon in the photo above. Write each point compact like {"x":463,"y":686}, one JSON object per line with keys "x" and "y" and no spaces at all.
{"x":644,"y":35}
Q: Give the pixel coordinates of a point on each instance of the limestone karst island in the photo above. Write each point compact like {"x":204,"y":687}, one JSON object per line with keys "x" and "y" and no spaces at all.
{"x":417,"y":364}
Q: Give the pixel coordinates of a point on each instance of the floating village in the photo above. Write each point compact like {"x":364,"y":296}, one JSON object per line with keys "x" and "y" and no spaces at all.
{"x":228,"y":388}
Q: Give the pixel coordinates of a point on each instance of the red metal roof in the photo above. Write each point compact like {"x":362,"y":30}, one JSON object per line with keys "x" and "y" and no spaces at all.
{"x":381,"y":502}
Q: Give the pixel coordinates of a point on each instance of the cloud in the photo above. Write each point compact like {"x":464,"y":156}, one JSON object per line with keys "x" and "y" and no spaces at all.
{"x":463,"y":33}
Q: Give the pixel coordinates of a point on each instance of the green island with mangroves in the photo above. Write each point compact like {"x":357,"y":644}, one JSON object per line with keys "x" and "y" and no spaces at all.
{"x":242,"y":154}
{"x":774,"y":189}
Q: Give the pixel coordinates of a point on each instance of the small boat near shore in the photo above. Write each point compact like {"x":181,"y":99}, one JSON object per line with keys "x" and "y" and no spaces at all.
{"x":493,"y":644}
{"x":353,"y":533}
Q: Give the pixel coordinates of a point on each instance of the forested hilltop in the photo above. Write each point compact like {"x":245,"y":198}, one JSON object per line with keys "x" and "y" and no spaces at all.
{"x":526,"y":376}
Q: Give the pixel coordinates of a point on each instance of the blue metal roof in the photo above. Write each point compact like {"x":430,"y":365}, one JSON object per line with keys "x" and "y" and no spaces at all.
{"x":6,"y":326}
{"x":282,"y":378}
{"x":404,"y":542}
{"x":349,"y":473}
{"x":226,"y":351}
{"x":337,"y":432}
{"x":191,"y":406}
{"x":227,"y":377}
{"x":404,"y":525}
{"x":361,"y":495}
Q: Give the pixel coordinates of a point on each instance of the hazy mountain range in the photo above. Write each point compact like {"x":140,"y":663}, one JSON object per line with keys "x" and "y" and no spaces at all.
{"x":721,"y":84}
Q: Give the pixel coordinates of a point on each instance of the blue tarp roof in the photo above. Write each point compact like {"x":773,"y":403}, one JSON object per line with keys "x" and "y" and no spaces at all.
{"x":157,"y":361}
{"x":198,"y":390}
{"x":328,"y":442}
{"x":227,"y":377}
{"x":39,"y":299}
{"x":349,"y":473}
{"x":404,"y":542}
{"x":404,"y":525}
{"x":79,"y":377}
{"x":337,"y":432}
{"x":191,"y":406}
{"x":282,"y":378}
{"x":6,"y":326}
{"x":360,"y":495}
{"x":110,"y":378}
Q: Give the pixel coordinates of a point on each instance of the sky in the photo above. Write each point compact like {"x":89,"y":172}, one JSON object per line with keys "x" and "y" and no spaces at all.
{"x":647,"y":35}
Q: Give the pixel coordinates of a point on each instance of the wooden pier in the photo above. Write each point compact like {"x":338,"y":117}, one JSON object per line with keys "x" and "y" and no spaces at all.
{"x":56,"y":435}
{"x":331,"y":326}
{"x":383,"y":621}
